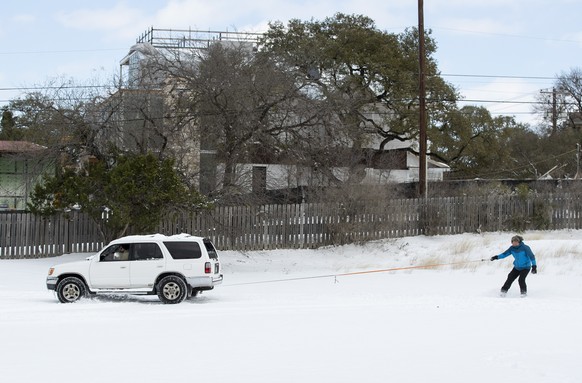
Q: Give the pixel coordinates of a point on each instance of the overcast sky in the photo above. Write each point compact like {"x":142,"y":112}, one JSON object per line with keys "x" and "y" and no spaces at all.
{"x":492,"y":50}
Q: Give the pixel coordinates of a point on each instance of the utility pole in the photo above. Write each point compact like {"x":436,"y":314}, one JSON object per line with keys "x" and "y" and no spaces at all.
{"x":577,"y":176}
{"x":422,"y":185}
{"x":554,"y":110}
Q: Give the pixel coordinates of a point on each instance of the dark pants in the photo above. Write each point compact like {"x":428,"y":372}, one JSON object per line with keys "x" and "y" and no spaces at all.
{"x":512,"y":276}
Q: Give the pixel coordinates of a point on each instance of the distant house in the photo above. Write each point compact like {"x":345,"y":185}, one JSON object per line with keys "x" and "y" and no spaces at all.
{"x":376,"y":167}
{"x":575,"y":120}
{"x":21,"y":167}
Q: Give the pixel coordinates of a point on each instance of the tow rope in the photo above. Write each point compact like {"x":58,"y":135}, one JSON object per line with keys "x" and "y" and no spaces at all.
{"x":357,"y":273}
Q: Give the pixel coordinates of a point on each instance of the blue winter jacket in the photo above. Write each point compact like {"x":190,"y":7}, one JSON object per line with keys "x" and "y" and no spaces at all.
{"x":524,"y":257}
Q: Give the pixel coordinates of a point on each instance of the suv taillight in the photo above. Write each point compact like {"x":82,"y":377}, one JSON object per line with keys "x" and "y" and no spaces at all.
{"x":207,"y":268}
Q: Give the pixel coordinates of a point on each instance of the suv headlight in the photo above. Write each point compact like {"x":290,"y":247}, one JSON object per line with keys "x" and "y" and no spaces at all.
{"x":51,"y":271}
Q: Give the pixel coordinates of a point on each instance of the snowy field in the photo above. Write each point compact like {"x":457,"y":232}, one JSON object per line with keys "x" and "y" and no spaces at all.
{"x":442,"y":324}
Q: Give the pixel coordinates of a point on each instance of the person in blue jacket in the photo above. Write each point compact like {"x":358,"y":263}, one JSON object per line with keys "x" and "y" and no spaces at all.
{"x":524,"y":260}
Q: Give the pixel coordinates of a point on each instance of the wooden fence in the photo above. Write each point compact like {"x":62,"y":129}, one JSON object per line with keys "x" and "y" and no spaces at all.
{"x":309,"y":225}
{"x":24,"y":235}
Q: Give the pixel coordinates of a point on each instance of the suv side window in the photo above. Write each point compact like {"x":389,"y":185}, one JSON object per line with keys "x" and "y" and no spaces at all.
{"x":115,"y":253}
{"x":184,"y":250}
{"x":146,"y":251}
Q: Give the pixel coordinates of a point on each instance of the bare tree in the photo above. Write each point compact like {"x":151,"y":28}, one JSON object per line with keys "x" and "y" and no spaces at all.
{"x":60,"y":116}
{"x":242,"y":106}
{"x":561,"y":106}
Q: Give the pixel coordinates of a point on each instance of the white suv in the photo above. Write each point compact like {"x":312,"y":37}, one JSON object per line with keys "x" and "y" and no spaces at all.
{"x":173,"y":267}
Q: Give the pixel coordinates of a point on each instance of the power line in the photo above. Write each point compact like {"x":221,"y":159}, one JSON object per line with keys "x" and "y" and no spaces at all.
{"x":465,"y":75}
{"x":28,"y":88}
{"x":62,"y":51}
{"x":510,"y":35}
{"x":499,"y":76}
{"x":502,"y":101}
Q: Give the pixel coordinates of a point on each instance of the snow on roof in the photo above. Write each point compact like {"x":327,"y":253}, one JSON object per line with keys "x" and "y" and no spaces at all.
{"x":19,"y":146}
{"x":160,"y":237}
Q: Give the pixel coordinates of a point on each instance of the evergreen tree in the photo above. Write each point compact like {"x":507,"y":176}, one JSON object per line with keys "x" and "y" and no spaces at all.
{"x":8,"y":131}
{"x":135,"y":192}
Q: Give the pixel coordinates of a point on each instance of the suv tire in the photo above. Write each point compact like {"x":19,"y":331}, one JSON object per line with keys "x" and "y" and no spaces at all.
{"x":71,"y":289}
{"x":172,"y":289}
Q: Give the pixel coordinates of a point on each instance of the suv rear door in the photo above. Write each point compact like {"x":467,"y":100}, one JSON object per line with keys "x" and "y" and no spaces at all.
{"x":187,"y":257}
{"x":147,"y":262}
{"x":213,"y":255}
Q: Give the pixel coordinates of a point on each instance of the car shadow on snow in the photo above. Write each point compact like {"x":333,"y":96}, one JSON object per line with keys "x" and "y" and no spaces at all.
{"x":125,"y":298}
{"x":145,"y":299}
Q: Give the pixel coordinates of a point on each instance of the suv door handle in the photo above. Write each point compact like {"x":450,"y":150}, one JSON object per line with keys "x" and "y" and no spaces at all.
{"x":123,"y":267}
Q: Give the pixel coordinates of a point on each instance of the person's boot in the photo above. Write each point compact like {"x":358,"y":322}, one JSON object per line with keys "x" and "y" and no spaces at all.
{"x":503,"y":293}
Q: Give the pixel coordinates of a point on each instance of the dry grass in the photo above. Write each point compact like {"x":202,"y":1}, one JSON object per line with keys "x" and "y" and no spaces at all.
{"x":487,"y":240}
{"x":566,"y":250}
{"x":535,"y":236}
{"x":430,"y":262}
{"x":458,"y":255}
{"x":463,"y":247}
{"x":456,"y":262}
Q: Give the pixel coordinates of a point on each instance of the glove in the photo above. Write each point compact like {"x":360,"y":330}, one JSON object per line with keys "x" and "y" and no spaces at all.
{"x":534,"y":269}
{"x":494,"y":258}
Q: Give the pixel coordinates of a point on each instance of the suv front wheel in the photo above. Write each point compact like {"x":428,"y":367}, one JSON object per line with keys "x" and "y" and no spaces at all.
{"x":172,"y":289}
{"x":70,"y":289}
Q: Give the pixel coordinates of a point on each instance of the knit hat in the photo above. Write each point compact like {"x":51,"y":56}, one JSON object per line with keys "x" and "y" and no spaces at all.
{"x":517,"y":238}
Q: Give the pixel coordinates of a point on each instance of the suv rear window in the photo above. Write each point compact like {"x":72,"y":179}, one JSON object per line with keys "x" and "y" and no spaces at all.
{"x":184,"y":250}
{"x":210,"y":249}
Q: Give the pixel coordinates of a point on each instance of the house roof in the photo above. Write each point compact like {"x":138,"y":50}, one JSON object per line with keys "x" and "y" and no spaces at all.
{"x":19,"y":147}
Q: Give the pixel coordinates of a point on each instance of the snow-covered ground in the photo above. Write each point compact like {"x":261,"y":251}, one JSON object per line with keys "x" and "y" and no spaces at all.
{"x":443,"y":324}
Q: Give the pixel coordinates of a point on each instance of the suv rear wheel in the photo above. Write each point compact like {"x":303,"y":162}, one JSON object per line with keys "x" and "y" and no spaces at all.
{"x":172,"y":289}
{"x":70,"y":289}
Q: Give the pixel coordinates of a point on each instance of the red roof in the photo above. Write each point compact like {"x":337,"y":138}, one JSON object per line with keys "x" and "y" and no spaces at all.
{"x":19,"y":146}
